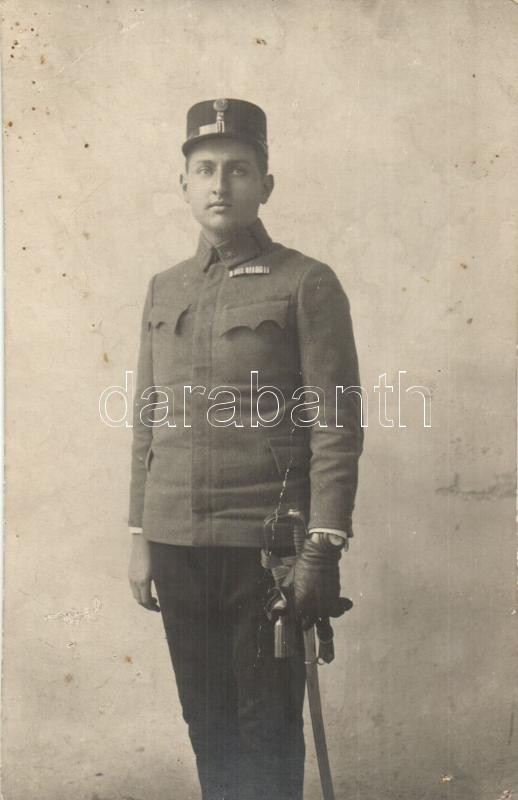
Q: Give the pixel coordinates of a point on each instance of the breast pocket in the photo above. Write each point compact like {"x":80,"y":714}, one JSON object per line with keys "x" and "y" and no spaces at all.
{"x":255,"y":336}
{"x":171,"y":327}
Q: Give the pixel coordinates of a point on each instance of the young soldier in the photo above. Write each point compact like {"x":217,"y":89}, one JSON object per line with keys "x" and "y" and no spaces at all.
{"x":228,"y":339}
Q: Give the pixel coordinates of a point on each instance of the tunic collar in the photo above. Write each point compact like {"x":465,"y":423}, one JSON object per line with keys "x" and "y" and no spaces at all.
{"x":242,"y":246}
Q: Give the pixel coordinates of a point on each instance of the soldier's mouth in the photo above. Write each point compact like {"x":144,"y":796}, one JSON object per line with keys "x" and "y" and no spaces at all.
{"x":220,"y":205}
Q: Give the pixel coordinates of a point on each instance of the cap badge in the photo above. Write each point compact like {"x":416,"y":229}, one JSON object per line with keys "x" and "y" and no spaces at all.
{"x":220,"y":106}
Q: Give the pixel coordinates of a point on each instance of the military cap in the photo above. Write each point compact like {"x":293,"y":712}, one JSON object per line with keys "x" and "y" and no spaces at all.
{"x":236,"y":119}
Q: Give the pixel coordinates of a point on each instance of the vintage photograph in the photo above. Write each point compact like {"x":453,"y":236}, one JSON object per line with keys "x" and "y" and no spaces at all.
{"x":260,"y":400}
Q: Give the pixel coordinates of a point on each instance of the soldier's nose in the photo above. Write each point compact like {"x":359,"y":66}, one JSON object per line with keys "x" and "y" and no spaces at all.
{"x":219,"y":183}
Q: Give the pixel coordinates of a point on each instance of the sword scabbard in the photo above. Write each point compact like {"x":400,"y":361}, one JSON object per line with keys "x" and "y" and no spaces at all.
{"x":317,"y":719}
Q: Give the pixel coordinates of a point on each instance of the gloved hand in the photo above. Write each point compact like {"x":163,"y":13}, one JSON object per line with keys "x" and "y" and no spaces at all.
{"x":316,"y":582}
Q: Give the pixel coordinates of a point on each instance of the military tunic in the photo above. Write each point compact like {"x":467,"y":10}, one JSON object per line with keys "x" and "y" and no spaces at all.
{"x":247,"y":324}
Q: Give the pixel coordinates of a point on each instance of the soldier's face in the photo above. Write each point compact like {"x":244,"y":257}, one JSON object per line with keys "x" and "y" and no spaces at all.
{"x":224,"y":186}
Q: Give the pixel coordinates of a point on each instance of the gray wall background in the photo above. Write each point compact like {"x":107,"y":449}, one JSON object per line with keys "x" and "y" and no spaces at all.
{"x":393,"y":135}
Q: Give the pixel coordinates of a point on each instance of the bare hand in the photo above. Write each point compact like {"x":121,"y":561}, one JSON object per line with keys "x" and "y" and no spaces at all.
{"x":139,"y":573}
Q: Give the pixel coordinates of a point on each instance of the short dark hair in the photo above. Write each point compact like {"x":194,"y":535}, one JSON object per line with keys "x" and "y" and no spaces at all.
{"x":260,"y":156}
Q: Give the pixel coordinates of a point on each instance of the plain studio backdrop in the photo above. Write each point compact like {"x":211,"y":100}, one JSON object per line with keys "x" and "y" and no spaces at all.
{"x":393,"y":130}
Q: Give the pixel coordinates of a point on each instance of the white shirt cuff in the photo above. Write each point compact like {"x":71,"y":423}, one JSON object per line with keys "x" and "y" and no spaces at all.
{"x":335,"y":532}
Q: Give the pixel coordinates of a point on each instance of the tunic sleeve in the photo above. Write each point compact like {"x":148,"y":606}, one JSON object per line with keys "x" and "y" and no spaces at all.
{"x":142,"y":433}
{"x":329,"y":361}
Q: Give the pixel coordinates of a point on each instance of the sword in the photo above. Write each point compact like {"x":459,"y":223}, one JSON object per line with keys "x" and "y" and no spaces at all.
{"x":277,"y":604}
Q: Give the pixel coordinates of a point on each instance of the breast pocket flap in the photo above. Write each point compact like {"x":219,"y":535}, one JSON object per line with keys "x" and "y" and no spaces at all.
{"x":169,"y":316}
{"x":252,"y":315}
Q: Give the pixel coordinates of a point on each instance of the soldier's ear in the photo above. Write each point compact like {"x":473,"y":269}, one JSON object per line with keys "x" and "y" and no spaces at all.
{"x":267,"y":188}
{"x":185,"y":187}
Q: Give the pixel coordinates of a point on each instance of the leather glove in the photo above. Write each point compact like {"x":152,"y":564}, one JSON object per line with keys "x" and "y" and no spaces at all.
{"x":316,"y":582}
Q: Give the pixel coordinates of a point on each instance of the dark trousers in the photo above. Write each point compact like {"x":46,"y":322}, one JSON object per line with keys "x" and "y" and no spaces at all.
{"x":243,"y":707}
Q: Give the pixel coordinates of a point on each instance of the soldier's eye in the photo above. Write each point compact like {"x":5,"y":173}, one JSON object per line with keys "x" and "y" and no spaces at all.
{"x":203,"y":171}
